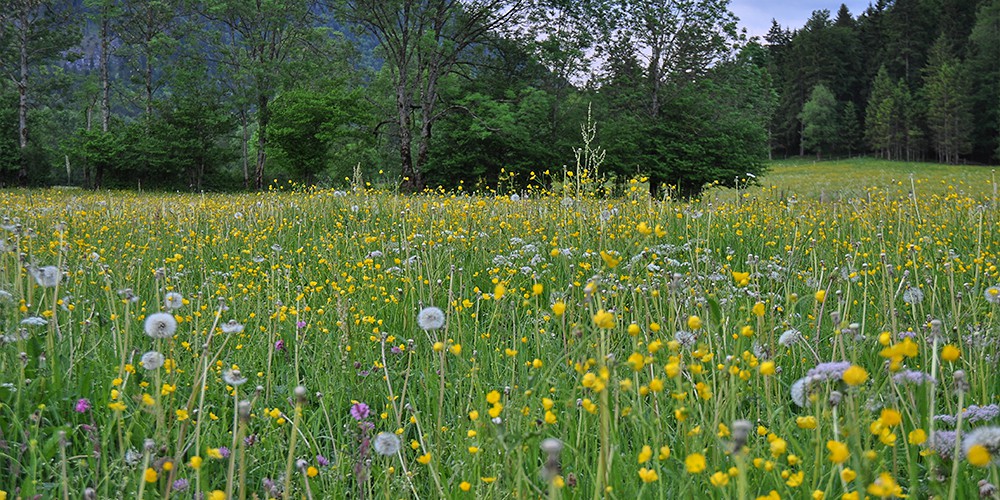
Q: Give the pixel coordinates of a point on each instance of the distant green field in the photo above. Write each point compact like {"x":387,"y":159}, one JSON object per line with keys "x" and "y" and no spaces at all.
{"x":837,"y":179}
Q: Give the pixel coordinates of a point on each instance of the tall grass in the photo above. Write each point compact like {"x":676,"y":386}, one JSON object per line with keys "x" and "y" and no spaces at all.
{"x":640,"y":335}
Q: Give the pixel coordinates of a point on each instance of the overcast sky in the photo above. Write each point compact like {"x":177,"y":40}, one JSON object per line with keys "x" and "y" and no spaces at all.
{"x":756,"y":15}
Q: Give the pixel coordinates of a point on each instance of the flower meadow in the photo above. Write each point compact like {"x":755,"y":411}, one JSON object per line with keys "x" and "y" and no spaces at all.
{"x":315,"y":343}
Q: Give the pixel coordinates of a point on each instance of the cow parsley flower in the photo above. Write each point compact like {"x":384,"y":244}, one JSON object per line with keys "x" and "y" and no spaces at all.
{"x":34,"y":321}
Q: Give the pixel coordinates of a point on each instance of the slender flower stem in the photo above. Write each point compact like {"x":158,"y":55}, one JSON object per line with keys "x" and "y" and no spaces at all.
{"x":955,"y":456}
{"x":236,"y":437}
{"x":290,"y":462}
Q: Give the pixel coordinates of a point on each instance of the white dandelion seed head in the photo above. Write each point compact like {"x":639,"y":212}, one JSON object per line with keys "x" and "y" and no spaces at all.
{"x":800,"y":391}
{"x":685,"y":338}
{"x":913,"y":296}
{"x":992,"y":294}
{"x":173,"y":300}
{"x":160,"y":325}
{"x":430,"y":318}
{"x":789,"y":337}
{"x":386,"y":444}
{"x":152,"y":360}
{"x":234,"y":378}
{"x":232,"y":326}
{"x":46,"y":277}
{"x":551,"y":446}
{"x":133,"y":457}
{"x":515,"y":197}
{"x":987,"y":437}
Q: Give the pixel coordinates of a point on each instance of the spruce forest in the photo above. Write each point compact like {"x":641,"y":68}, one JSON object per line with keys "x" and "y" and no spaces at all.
{"x":235,"y":94}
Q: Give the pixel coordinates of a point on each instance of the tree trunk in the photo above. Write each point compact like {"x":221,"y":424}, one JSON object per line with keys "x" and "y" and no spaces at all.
{"x":428,"y":100}
{"x":148,"y":53}
{"x":654,"y":82}
{"x":245,"y":148}
{"x":802,"y":145}
{"x":105,"y":85}
{"x":405,"y":133}
{"x":22,"y":90}
{"x":262,"y":119}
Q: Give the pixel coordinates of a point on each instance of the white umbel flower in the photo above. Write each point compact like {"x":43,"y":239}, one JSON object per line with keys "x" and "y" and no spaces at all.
{"x":430,"y":318}
{"x":161,"y":325}
{"x":34,"y":321}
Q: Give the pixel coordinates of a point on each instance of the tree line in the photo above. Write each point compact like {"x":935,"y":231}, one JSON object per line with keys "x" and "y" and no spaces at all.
{"x":231,"y":94}
{"x":904,"y":80}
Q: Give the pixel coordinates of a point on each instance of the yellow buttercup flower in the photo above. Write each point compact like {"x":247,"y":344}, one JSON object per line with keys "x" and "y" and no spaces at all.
{"x":610,"y":259}
{"x":695,"y":463}
{"x":719,"y":479}
{"x":978,"y":455}
{"x":950,"y":353}
{"x":645,"y":454}
{"x":604,"y":319}
{"x":648,"y":475}
{"x":855,"y":375}
{"x":559,"y":308}
{"x":917,"y":436}
{"x":694,"y":322}
{"x":838,"y":451}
